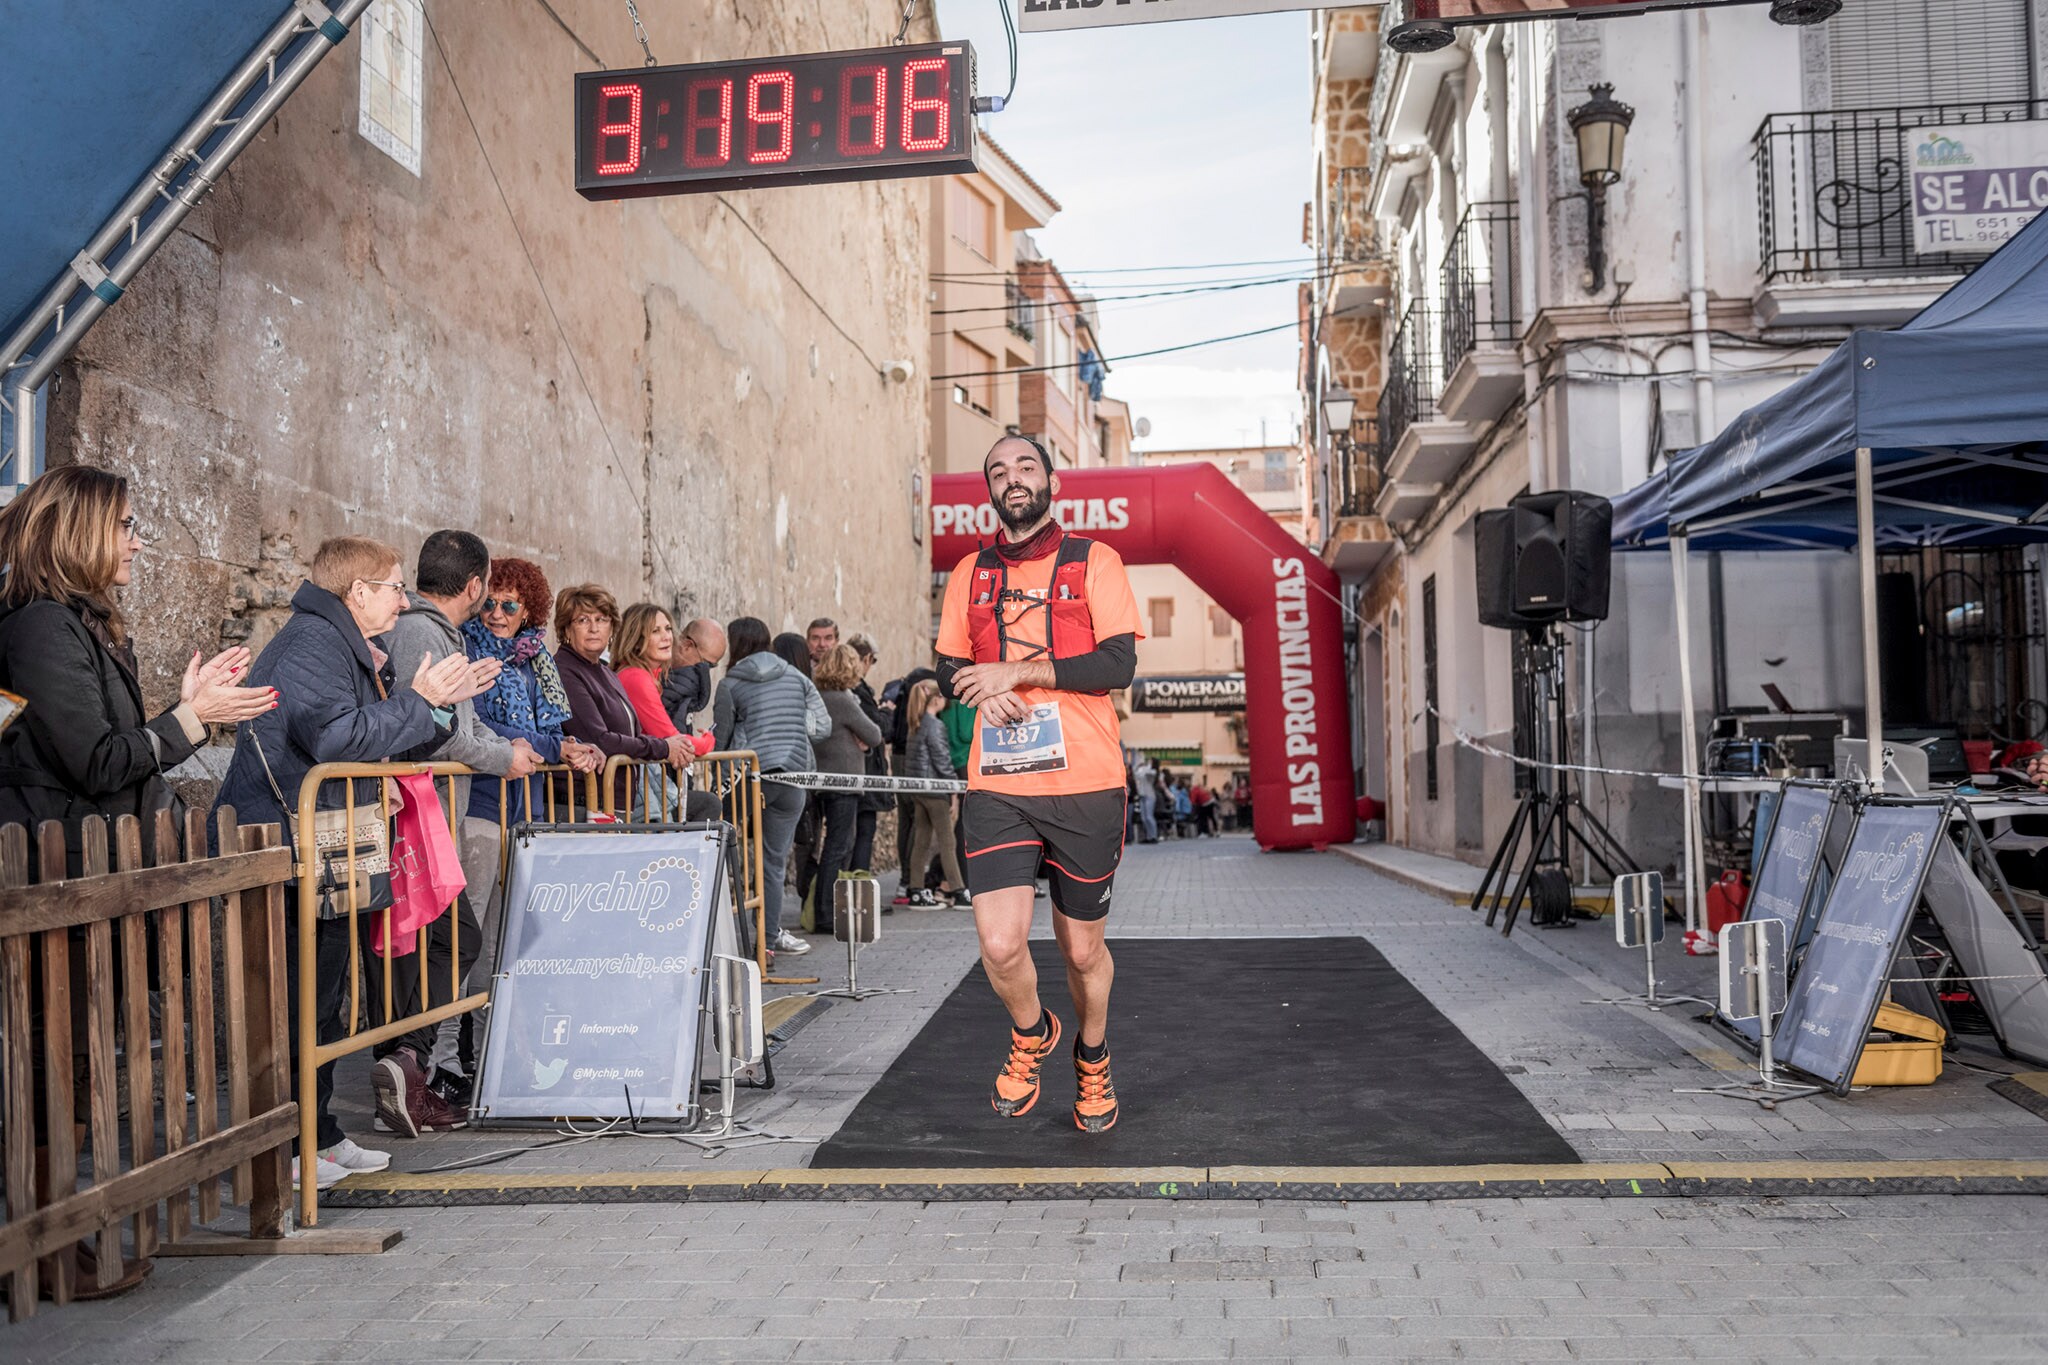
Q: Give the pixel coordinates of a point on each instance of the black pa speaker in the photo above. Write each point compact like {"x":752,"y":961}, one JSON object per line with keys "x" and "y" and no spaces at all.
{"x":1542,"y":558}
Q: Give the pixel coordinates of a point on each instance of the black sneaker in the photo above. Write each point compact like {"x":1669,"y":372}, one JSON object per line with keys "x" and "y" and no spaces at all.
{"x":452,"y":1087}
{"x":961,"y":900}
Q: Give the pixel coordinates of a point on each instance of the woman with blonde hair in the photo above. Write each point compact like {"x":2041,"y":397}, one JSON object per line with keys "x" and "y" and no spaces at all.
{"x":84,"y":747}
{"x":643,"y":649}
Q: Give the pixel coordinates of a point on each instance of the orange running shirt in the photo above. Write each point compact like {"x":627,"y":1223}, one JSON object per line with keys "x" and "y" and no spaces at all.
{"x":1095,"y":756}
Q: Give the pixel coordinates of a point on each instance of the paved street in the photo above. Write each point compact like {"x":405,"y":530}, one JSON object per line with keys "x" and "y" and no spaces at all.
{"x":1875,"y":1278}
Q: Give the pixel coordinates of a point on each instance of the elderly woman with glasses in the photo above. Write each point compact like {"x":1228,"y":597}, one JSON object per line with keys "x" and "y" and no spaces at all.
{"x":339,"y":703}
{"x":600,"y":712}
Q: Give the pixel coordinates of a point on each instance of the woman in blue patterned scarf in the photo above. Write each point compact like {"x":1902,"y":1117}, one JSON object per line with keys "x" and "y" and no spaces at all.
{"x":527,"y":702}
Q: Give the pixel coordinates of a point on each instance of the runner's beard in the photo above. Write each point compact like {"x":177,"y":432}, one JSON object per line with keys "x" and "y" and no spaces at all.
{"x":1032,"y":512}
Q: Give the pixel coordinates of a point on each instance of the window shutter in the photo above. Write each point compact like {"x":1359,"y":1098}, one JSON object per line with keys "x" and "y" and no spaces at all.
{"x":1883,"y":53}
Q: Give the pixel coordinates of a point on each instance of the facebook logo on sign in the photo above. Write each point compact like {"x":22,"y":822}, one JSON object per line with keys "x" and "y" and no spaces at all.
{"x":554,"y":1029}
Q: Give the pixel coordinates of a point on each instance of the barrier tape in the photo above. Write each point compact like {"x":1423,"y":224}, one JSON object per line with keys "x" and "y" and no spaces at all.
{"x":1472,"y":742}
{"x":868,"y":782}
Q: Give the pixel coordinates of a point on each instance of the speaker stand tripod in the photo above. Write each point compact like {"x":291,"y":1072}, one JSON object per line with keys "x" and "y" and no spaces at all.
{"x":1551,"y":811}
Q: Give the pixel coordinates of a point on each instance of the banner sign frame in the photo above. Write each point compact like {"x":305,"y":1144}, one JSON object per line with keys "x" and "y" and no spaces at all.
{"x":600,"y":903}
{"x":1799,"y":851}
{"x":1974,"y":185}
{"x":1856,"y":940}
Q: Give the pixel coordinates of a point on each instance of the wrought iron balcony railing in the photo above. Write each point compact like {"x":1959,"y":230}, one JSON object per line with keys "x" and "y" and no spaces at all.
{"x":1355,"y":475}
{"x":1834,"y":189}
{"x":1413,"y":376}
{"x":1018,"y":306}
{"x":1479,"y":285}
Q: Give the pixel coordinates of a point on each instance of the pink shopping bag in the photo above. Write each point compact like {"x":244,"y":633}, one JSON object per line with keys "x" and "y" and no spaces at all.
{"x":426,"y":873}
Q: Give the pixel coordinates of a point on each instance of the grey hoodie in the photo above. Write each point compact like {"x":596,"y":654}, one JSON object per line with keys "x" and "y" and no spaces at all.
{"x":765,"y":705}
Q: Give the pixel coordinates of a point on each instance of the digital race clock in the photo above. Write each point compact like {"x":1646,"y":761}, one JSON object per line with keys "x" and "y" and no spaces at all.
{"x":882,"y":112}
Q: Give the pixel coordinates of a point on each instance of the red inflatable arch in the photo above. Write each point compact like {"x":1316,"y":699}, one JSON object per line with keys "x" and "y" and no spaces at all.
{"x":1193,"y":517}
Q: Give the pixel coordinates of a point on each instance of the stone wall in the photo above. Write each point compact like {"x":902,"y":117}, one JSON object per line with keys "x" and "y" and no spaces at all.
{"x":678,"y":397}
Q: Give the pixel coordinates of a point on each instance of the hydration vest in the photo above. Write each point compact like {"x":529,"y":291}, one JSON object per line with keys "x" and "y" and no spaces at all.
{"x":1072,"y":629}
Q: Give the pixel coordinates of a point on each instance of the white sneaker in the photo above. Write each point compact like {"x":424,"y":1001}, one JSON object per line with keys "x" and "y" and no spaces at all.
{"x":325,"y":1173}
{"x":353,"y":1159}
{"x":786,"y":942}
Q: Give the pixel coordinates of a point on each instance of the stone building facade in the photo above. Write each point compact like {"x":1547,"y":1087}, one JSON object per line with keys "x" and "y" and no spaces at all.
{"x":683,"y":398}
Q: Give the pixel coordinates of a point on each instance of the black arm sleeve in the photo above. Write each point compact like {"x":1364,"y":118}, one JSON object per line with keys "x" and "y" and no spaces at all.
{"x":948,"y":666}
{"x":1110,"y":665}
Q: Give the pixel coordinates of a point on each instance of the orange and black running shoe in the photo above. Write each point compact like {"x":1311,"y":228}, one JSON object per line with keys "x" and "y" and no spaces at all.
{"x":1095,"y":1109}
{"x":1017,"y":1083}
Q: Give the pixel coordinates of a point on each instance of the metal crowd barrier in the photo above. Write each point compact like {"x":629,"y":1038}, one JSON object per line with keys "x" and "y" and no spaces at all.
{"x":552,"y":798}
{"x":91,"y":946}
{"x":635,"y":789}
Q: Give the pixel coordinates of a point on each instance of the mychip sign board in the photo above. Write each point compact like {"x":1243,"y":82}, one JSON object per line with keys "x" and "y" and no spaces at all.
{"x":602,"y":972}
{"x":1857,"y":938}
{"x":1975,"y":185}
{"x":1785,"y":879}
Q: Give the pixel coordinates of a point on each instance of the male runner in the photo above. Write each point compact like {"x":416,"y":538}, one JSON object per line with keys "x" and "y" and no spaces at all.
{"x":1036,"y":631}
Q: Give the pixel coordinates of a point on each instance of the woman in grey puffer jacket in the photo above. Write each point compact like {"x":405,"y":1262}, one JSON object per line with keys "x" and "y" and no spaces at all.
{"x":765,"y":705}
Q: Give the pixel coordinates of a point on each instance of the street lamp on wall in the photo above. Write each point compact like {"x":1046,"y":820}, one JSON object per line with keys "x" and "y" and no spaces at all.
{"x":1600,"y":126}
{"x":1338,"y":409}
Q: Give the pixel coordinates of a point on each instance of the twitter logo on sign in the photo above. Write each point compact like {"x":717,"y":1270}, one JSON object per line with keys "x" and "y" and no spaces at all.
{"x":546,"y":1075}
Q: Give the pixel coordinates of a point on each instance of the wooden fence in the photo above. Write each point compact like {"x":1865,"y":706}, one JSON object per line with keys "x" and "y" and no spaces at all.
{"x":79,"y":958}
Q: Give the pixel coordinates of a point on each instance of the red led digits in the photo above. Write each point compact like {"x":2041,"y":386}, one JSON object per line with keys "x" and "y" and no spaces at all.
{"x":873,"y":110}
{"x":782,"y":118}
{"x":937,"y":104}
{"x":712,"y":115}
{"x":627,"y":128}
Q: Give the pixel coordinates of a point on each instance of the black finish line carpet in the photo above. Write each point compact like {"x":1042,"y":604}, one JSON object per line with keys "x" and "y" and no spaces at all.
{"x":1228,"y":1052}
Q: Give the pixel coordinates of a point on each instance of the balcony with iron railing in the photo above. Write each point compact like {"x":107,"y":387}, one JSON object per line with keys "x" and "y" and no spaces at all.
{"x":1353,"y":268}
{"x":1482,"y":365}
{"x":1835,"y":212}
{"x":1018,"y":308}
{"x":1355,"y":465}
{"x":1422,"y":447}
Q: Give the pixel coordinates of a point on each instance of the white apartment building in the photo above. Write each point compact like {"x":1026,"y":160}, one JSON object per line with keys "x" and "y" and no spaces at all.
{"x":1759,"y":214}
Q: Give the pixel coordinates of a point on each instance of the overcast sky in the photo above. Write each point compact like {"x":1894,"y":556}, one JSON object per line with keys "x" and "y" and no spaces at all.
{"x":1170,"y":144}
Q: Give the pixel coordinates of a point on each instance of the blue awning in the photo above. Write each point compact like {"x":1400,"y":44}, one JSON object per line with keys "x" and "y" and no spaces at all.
{"x":1954,"y":407}
{"x":92,"y":96}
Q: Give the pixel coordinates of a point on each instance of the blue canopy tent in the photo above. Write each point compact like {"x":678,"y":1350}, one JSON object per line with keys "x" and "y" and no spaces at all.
{"x":118,"y":120}
{"x":1934,"y":434}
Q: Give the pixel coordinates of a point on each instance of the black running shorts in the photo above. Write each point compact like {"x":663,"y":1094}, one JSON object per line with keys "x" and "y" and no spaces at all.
{"x":1080,"y":840}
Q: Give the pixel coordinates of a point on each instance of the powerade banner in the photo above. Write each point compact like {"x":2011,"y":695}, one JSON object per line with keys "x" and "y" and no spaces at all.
{"x":1189,"y":692}
{"x":1785,"y":880}
{"x":1857,"y":937}
{"x":1975,"y":185}
{"x":602,"y":967}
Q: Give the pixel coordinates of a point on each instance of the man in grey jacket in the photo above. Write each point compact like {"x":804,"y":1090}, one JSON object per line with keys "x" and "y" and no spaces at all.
{"x":454,"y":569}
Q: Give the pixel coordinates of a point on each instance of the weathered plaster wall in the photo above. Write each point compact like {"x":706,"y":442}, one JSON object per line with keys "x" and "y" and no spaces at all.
{"x":333,"y":344}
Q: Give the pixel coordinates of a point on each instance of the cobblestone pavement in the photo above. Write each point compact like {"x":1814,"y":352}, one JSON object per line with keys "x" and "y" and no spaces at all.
{"x":1877,"y":1278}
